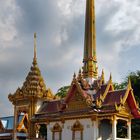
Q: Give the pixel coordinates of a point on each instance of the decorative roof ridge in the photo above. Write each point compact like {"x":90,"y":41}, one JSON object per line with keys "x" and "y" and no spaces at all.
{"x":80,"y":80}
{"x":123,"y":99}
{"x":118,"y":90}
{"x":102,"y":97}
{"x":75,"y":84}
{"x":130,"y":91}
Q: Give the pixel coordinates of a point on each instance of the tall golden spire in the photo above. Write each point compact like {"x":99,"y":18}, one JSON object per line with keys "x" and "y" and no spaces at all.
{"x":90,"y":61}
{"x":35,"y":57}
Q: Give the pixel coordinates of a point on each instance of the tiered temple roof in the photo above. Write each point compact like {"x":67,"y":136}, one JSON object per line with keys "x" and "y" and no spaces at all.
{"x":34,"y":85}
{"x":103,"y":101}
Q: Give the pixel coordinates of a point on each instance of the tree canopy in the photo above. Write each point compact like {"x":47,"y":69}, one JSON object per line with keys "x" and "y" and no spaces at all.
{"x":135,"y":82}
{"x":62,"y":91}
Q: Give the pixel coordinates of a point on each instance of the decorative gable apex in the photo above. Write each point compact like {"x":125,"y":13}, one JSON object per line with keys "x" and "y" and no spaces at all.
{"x":23,"y":124}
{"x":77,"y":98}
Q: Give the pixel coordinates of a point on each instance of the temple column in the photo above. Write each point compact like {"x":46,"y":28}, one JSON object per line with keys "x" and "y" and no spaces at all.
{"x":93,"y":129}
{"x":96,"y":124}
{"x":114,"y":128}
{"x":15,"y":123}
{"x":129,"y":129}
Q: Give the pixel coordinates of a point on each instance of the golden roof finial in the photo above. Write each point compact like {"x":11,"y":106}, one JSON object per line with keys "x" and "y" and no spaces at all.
{"x":80,"y":71}
{"x":103,"y":74}
{"x":35,"y":57}
{"x":102,"y":77}
{"x":90,"y":69}
{"x":74,"y":75}
{"x":110,"y":78}
{"x":80,"y":74}
{"x":129,"y":82}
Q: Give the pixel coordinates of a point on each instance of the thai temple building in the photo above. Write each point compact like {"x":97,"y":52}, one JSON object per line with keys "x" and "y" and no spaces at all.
{"x":6,"y":128}
{"x":91,"y":110}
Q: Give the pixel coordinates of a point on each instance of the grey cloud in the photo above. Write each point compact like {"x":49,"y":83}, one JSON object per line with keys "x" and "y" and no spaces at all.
{"x":130,"y":59}
{"x":37,"y":15}
{"x":59,"y":60}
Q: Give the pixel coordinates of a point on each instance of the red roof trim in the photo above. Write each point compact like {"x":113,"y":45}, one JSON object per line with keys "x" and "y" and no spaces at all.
{"x":70,"y":93}
{"x":132,"y":104}
{"x":72,"y":90}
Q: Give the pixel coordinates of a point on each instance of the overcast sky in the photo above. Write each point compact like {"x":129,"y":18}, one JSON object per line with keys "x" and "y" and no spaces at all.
{"x":59,"y":25}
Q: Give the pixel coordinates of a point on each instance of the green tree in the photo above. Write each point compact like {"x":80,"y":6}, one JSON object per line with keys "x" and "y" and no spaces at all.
{"x":62,"y":91}
{"x":119,"y":86}
{"x":135,"y":81}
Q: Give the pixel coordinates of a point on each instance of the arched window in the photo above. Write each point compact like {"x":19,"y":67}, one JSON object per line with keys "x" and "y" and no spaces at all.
{"x":77,"y":131}
{"x":56,"y":132}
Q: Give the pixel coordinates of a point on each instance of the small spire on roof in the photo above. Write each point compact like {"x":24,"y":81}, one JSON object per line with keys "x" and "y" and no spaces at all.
{"x":74,"y":75}
{"x":80,"y":76}
{"x":80,"y":71}
{"x":103,"y":73}
{"x":102,"y":81}
{"x":35,"y":57}
{"x":110,"y":78}
{"x":129,"y":82}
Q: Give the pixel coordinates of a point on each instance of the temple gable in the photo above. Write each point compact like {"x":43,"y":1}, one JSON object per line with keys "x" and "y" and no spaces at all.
{"x":76,"y":102}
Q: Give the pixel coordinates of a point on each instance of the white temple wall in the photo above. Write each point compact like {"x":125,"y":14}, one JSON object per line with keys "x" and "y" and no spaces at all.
{"x":49,"y":127}
{"x":89,"y":132}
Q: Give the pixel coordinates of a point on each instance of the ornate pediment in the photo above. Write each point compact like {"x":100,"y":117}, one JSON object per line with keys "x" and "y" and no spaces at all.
{"x":77,"y":102}
{"x":125,"y":110}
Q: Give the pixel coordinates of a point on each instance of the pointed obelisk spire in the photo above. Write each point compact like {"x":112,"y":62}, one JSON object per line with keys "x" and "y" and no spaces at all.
{"x":90,"y":61}
{"x":35,"y":57}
